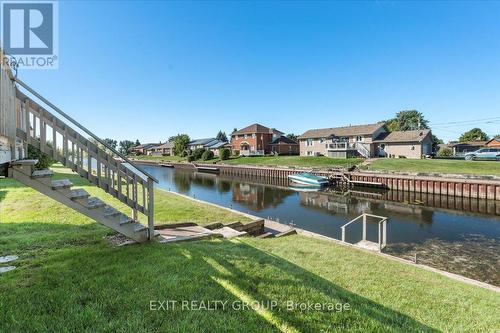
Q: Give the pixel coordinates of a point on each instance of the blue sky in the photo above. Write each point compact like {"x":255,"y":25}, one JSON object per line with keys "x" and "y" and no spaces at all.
{"x":149,"y":70}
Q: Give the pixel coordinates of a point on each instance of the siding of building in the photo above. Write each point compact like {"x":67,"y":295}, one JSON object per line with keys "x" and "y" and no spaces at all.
{"x":8,"y":118}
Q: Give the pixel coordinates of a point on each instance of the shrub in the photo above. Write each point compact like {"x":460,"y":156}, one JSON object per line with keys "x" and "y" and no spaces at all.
{"x":207,"y":155}
{"x":236,"y":152}
{"x":190,"y":158}
{"x":44,"y":160}
{"x":184,"y":153}
{"x":224,"y":153}
{"x":198,"y":152}
{"x":445,"y":152}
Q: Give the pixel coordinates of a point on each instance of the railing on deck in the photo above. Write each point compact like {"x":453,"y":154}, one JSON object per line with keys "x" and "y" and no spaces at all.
{"x":95,"y":160}
{"x":382,"y":228}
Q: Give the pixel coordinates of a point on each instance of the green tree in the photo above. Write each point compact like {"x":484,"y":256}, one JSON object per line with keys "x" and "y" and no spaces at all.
{"x":207,"y":155}
{"x":137,"y":143}
{"x":435,"y":142}
{"x":221,"y":136}
{"x":224,"y":153}
{"x":111,"y":143}
{"x":125,"y":145}
{"x":180,"y":143}
{"x":293,"y":137}
{"x":407,"y":120}
{"x":475,"y":134}
{"x":445,"y":152}
{"x":44,"y":160}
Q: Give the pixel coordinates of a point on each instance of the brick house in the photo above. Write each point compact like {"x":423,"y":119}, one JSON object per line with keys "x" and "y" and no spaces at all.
{"x":257,"y":140}
{"x":284,"y":146}
{"x":494,"y":143}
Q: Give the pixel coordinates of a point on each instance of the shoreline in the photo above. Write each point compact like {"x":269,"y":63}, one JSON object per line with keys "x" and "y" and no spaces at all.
{"x":306,"y":233}
{"x":464,"y":186}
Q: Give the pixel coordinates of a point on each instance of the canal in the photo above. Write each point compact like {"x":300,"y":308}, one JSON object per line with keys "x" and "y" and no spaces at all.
{"x":454,"y":234}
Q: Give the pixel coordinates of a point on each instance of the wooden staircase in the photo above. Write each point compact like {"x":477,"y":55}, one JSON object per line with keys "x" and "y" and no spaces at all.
{"x":83,"y":152}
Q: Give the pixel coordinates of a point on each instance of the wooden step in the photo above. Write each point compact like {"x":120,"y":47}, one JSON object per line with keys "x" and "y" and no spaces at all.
{"x":78,"y":193}
{"x":228,"y":232}
{"x":42,"y":173}
{"x":139,"y":227}
{"x":214,"y":225}
{"x":233,"y":224}
{"x":110,"y":212}
{"x":266,"y":235}
{"x":287,"y":233}
{"x":61,"y":184}
{"x":95,"y":203}
{"x":124,"y":219}
{"x":25,"y":162}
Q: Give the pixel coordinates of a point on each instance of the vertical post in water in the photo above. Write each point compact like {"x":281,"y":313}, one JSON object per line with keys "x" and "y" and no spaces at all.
{"x":151,"y":205}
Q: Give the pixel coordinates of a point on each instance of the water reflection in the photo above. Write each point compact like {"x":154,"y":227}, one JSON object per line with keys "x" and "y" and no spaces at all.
{"x":417,"y":222}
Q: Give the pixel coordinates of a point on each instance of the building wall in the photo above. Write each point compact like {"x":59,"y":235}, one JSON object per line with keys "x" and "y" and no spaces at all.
{"x":319,"y":145}
{"x":409,"y":150}
{"x":8,"y":117}
{"x":285,"y":149}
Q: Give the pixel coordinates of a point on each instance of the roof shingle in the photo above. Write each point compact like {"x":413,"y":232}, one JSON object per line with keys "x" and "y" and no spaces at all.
{"x":403,"y":136}
{"x":342,"y":131}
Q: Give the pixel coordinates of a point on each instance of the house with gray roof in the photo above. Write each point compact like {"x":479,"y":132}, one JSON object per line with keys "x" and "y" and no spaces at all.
{"x":341,"y":142}
{"x":370,"y":140}
{"x":406,"y":144}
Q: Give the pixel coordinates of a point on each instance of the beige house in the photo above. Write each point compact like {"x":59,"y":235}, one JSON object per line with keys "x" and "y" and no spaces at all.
{"x":341,"y":142}
{"x":406,"y":144}
{"x":165,"y":149}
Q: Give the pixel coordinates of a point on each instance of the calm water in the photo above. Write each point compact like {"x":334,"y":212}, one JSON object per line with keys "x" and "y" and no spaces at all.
{"x":454,"y":234}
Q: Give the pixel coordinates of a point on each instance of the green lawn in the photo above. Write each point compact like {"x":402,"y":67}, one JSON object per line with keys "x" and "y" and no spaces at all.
{"x":158,"y":158}
{"x":296,"y":161}
{"x":69,"y":279}
{"x":437,"y":166}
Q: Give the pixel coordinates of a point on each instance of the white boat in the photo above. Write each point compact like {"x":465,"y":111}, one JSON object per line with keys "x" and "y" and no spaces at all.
{"x":307,"y":178}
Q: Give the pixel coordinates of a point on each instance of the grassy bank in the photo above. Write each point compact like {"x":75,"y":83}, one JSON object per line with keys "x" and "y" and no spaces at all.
{"x":69,"y":279}
{"x":296,"y":161}
{"x":436,"y":166}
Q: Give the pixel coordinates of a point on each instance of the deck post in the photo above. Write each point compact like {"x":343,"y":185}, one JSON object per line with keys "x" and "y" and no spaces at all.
{"x":343,"y":234}
{"x":364,"y":226}
{"x":151,"y":205}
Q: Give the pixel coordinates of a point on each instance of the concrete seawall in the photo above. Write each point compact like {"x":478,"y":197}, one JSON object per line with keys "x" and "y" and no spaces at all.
{"x":465,"y":186}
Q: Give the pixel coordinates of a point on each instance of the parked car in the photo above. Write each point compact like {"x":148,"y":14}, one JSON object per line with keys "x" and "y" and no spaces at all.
{"x":484,"y":154}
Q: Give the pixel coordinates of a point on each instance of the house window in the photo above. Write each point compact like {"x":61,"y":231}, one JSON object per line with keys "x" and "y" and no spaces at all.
{"x":309,"y":142}
{"x":253,"y":136}
{"x":309,"y":153}
{"x":245,"y":136}
{"x":359,"y":138}
{"x":321,"y":140}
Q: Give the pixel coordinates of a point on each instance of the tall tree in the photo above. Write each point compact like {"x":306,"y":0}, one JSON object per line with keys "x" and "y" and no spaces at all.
{"x":475,"y":134}
{"x":137,"y":143}
{"x":180,"y":143}
{"x":435,"y":142}
{"x":111,"y":143}
{"x":407,"y":120}
{"x":292,"y":136}
{"x":221,"y":136}
{"x":125,"y":145}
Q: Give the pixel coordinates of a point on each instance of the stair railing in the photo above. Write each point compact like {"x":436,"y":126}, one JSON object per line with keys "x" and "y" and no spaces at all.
{"x":93,"y":159}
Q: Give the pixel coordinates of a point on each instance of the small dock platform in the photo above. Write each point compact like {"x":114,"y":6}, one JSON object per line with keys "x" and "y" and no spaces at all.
{"x":207,"y":169}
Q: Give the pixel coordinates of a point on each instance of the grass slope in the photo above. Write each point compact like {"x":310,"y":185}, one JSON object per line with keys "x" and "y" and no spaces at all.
{"x":297,"y":161}
{"x":69,"y":279}
{"x":437,"y":166}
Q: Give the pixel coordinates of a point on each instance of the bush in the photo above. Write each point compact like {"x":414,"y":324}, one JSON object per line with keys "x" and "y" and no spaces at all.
{"x":190,"y":158}
{"x":236,"y":152}
{"x":184,"y":153}
{"x":224,"y":153}
{"x":198,"y":152}
{"x":445,"y":152}
{"x":44,"y":160}
{"x":207,"y":155}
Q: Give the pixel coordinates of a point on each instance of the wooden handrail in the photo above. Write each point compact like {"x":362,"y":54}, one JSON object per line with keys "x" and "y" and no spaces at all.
{"x":77,"y":124}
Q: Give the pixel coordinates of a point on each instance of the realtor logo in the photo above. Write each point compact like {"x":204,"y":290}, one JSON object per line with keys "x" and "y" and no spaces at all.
{"x":29,"y":34}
